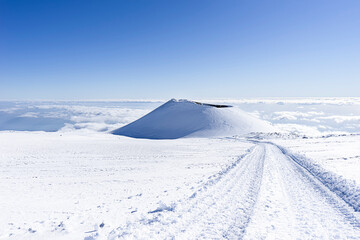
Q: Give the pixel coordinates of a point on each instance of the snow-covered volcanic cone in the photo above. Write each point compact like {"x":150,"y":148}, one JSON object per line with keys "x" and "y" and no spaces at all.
{"x":180,"y":118}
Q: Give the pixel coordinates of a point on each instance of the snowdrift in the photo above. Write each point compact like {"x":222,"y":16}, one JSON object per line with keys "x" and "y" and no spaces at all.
{"x":180,"y":118}
{"x":346,"y":189}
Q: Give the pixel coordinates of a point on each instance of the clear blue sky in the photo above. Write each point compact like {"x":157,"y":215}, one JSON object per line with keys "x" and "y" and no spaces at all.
{"x":69,"y":49}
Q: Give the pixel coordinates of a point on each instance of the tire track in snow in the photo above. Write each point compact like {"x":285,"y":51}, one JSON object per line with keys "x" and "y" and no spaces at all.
{"x":222,"y":209}
{"x":225,"y":209}
{"x":293,"y":204}
{"x":265,"y":194}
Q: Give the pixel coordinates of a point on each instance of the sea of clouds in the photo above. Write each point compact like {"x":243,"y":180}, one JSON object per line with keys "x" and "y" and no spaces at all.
{"x":309,"y":116}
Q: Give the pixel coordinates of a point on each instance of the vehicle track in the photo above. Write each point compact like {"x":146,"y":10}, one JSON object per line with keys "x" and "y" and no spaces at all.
{"x":293,"y":204}
{"x":229,"y":200}
{"x":264,"y":195}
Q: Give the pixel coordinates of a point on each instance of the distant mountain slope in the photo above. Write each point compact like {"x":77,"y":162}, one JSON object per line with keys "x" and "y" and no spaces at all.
{"x":180,"y":118}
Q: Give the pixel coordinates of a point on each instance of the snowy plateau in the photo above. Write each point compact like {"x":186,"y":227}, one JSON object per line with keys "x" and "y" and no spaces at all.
{"x":271,"y":168}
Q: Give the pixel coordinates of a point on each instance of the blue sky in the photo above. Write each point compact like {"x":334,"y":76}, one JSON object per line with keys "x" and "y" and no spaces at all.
{"x":71,"y":49}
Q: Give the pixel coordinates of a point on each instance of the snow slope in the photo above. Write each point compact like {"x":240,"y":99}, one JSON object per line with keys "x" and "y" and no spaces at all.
{"x":304,"y":116}
{"x":180,"y":118}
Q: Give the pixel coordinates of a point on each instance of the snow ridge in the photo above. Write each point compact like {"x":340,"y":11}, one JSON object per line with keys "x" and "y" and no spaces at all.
{"x":347,"y":190}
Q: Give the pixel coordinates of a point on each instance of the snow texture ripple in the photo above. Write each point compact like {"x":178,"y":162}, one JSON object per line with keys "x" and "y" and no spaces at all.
{"x":265,"y":195}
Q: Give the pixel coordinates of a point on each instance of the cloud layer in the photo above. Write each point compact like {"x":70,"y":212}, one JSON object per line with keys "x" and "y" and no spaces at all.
{"x":303,"y":116}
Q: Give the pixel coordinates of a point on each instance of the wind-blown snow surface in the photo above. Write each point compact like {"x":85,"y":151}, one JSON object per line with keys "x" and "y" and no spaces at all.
{"x":180,"y":118}
{"x":102,"y":186}
{"x":77,"y":181}
{"x":337,"y":153}
{"x":66,"y":185}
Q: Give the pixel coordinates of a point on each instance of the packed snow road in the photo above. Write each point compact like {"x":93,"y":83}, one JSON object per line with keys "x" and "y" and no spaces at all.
{"x":264,"y":195}
{"x":292,"y":204}
{"x":96,"y":187}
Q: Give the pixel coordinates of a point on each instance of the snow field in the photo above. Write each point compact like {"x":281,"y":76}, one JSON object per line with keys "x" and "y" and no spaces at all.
{"x":71,"y":185}
{"x":337,"y":153}
{"x":83,"y":183}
